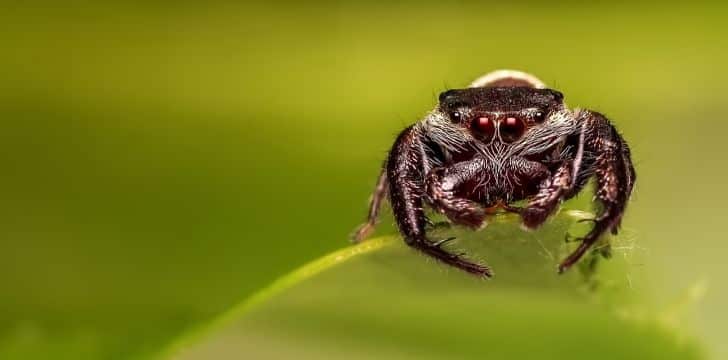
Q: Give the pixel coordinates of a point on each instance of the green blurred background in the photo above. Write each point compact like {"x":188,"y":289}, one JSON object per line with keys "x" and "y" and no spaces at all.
{"x":161,"y":162}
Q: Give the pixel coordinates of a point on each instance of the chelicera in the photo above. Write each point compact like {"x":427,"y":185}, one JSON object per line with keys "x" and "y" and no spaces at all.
{"x":504,"y":139}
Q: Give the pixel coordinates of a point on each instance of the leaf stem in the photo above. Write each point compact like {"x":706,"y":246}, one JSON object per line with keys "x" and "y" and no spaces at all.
{"x":281,"y":284}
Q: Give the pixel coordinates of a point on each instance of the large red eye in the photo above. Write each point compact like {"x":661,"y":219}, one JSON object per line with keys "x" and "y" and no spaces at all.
{"x":511,"y":129}
{"x":483,"y":126}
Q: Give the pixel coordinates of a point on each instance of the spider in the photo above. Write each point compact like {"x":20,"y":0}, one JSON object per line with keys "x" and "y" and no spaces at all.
{"x":504,"y":139}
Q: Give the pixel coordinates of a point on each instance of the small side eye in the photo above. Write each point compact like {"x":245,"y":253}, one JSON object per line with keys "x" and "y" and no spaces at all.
{"x":456,"y":115}
{"x":539,"y":116}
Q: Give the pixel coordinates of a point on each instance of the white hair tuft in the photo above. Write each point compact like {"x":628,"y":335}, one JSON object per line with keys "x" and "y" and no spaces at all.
{"x":500,"y":75}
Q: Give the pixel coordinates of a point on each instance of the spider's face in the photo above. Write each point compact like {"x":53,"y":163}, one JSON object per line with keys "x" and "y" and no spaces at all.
{"x":502,"y":114}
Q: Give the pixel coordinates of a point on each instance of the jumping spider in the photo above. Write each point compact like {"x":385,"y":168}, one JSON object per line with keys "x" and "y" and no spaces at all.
{"x":505,"y":138}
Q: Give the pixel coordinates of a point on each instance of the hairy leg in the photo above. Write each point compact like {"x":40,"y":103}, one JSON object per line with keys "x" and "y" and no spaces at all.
{"x":375,"y":203}
{"x":615,"y":178}
{"x":631,"y":177}
{"x":563,"y":184}
{"x":405,"y":170}
{"x":441,"y":184}
{"x":551,"y":192}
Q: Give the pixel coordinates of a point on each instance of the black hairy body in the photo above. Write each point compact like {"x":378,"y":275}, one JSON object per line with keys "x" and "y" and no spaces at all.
{"x":504,"y":139}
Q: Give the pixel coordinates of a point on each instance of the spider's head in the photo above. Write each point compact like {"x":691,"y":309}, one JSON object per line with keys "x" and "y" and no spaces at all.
{"x":501,"y":114}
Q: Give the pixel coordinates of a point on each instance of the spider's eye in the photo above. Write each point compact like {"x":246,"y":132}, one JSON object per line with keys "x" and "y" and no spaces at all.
{"x":456,"y":115}
{"x":511,"y":129}
{"x":483,"y":126}
{"x":539,"y":116}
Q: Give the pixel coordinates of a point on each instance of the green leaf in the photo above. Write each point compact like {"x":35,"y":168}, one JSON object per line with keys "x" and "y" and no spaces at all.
{"x":380,"y":299}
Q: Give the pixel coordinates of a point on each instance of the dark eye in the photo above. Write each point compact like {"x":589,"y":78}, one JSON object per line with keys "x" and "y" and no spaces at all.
{"x":456,"y":116}
{"x":483,"y":126}
{"x":511,"y":129}
{"x":539,"y":116}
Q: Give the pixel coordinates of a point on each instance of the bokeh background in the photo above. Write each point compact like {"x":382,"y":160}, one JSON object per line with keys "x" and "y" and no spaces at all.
{"x":162,"y":161}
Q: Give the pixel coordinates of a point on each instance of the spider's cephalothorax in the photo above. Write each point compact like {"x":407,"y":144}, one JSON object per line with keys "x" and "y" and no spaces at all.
{"x":504,"y":139}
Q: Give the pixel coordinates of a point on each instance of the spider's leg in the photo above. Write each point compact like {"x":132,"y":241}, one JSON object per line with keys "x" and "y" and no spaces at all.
{"x":566,"y":181}
{"x":441,"y":184}
{"x":405,"y":170}
{"x":551,"y":192}
{"x":630,"y":178}
{"x":375,"y":204}
{"x":615,"y":177}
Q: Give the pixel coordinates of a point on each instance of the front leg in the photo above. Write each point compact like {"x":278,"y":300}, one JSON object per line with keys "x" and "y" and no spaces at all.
{"x":550,"y":194}
{"x":612,"y":167}
{"x":406,"y":168}
{"x":375,"y":204}
{"x":441,"y":184}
